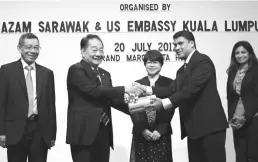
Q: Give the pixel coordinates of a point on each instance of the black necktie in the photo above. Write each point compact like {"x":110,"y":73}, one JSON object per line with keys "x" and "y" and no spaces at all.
{"x":185,"y":64}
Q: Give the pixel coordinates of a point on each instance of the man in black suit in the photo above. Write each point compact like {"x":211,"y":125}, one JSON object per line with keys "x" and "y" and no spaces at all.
{"x":90,"y":93}
{"x":201,"y":113}
{"x":27,"y":105}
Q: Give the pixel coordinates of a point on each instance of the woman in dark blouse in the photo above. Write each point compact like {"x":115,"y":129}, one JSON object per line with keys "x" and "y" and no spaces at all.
{"x":242,"y":95}
{"x":152,"y":130}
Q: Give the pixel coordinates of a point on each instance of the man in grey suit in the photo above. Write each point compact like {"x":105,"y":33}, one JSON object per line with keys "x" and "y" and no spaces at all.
{"x":27,"y":105}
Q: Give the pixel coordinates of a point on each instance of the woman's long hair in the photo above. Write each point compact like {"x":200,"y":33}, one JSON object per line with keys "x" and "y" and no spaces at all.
{"x":252,"y":57}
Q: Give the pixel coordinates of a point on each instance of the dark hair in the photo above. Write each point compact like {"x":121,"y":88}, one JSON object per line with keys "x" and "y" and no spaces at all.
{"x":252,"y":58}
{"x":153,"y":55}
{"x":186,"y":34}
{"x":85,"y":40}
{"x":27,"y":36}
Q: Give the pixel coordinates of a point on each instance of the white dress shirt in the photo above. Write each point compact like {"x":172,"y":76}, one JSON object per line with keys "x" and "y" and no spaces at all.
{"x":153,"y":80}
{"x":33,"y":76}
{"x":152,"y":84}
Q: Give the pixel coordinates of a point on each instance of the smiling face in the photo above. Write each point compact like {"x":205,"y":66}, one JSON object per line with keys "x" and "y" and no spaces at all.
{"x":93,"y":54}
{"x":242,"y":55}
{"x":183,"y":47}
{"x":153,"y":68}
{"x":29,"y":50}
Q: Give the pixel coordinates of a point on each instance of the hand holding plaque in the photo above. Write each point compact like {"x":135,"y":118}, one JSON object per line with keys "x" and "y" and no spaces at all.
{"x":137,"y":104}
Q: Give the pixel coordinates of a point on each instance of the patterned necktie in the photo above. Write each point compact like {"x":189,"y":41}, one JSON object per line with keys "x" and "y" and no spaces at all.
{"x":99,"y":82}
{"x":29,"y":85}
{"x":104,"y":118}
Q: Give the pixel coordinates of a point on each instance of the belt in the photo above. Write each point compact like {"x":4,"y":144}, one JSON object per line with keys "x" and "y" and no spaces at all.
{"x":104,"y":118}
{"x":33,"y":117}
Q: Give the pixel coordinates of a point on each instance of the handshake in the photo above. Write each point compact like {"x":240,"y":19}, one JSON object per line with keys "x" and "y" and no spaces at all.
{"x":137,"y":89}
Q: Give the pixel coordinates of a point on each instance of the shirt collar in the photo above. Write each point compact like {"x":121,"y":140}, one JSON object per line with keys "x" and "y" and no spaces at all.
{"x":155,"y":78}
{"x":189,"y":57}
{"x":24,"y":64}
{"x":93,"y":68}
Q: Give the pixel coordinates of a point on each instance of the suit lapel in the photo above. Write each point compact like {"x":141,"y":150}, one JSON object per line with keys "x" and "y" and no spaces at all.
{"x":247,"y":79}
{"x":21,"y":78}
{"x":104,"y":78}
{"x":180,"y":77}
{"x":89,"y":71}
{"x":191,"y":62}
{"x":231,"y":79}
{"x":160,"y":81}
{"x":146,"y":81}
{"x":39,"y":79}
{"x":183,"y":73}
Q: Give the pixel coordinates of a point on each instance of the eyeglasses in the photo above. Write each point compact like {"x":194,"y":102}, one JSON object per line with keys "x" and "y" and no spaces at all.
{"x":30,"y":48}
{"x":152,"y":62}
